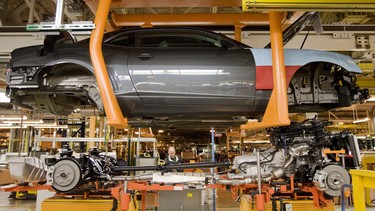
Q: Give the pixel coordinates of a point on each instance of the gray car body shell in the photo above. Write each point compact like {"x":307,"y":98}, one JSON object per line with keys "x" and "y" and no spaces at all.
{"x":176,"y":81}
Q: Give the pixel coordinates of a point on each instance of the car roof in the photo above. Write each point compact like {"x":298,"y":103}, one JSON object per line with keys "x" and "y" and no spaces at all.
{"x":108,"y":35}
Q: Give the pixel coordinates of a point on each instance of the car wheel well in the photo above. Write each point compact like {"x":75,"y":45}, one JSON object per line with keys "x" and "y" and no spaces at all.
{"x":321,"y":83}
{"x":70,"y":76}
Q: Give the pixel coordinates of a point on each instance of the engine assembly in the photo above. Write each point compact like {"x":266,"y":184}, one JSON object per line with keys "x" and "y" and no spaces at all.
{"x":69,"y":173}
{"x":297,"y":150}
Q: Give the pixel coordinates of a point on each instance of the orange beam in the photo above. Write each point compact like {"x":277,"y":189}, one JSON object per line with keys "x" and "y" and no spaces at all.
{"x":189,"y":19}
{"x":111,"y":107}
{"x":28,"y":188}
{"x":277,"y":109}
{"x":175,"y":3}
{"x":238,"y":31}
{"x":93,"y":5}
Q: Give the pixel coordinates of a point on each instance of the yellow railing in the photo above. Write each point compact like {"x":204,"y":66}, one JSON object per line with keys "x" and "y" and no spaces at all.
{"x":361,"y":179}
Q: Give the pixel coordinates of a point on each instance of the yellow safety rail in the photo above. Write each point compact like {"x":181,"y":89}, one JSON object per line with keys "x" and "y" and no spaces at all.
{"x":368,"y":158}
{"x":361,"y":179}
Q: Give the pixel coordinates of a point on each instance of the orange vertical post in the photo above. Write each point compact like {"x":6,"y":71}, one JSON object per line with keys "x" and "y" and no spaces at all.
{"x":276,"y":113}
{"x":111,"y":106}
{"x":238,"y":31}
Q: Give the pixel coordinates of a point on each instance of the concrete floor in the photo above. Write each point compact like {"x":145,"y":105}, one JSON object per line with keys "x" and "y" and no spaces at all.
{"x":15,"y":205}
{"x":224,"y":203}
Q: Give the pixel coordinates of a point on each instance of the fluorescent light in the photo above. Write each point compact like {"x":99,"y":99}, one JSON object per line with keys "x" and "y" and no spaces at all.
{"x":341,"y":123}
{"x":51,"y":126}
{"x":31,"y":121}
{"x":372,"y":99}
{"x":12,"y":126}
{"x":4,"y":98}
{"x":4,"y":117}
{"x":160,"y":131}
{"x":361,"y":120}
{"x":361,"y":137}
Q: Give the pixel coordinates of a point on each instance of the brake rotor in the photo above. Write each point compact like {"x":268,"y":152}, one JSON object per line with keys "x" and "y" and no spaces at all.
{"x":331,"y":178}
{"x":67,"y":175}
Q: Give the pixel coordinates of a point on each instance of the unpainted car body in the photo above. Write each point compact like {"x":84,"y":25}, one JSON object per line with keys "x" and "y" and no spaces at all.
{"x":166,"y":75}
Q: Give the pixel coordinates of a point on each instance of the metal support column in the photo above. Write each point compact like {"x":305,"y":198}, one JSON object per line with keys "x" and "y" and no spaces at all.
{"x":101,"y":130}
{"x":371,"y":122}
{"x":59,"y":13}
{"x":213,"y":169}
{"x":92,"y":130}
{"x":31,"y":12}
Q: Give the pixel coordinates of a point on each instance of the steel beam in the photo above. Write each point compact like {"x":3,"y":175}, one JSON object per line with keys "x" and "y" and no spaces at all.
{"x":174,"y":3}
{"x":309,"y":5}
{"x":254,"y":39}
{"x":189,"y":19}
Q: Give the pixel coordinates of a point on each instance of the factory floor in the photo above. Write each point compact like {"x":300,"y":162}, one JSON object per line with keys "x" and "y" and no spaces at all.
{"x":224,"y":203}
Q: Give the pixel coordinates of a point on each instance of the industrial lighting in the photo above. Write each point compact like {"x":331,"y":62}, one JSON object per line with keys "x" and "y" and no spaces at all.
{"x":160,"y":131}
{"x":52,"y":126}
{"x":5,"y":125}
{"x":4,"y":117}
{"x":11,"y":126}
{"x":341,"y":123}
{"x":4,"y":98}
{"x":361,"y":120}
{"x":31,"y":121}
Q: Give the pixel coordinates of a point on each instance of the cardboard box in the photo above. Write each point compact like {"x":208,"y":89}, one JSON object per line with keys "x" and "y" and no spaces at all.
{"x":5,"y":177}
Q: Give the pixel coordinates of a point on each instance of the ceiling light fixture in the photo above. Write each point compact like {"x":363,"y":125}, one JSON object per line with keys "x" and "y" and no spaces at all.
{"x":52,"y":126}
{"x":361,"y":120}
{"x":17,"y":117}
{"x":31,"y":121}
{"x":12,"y":127}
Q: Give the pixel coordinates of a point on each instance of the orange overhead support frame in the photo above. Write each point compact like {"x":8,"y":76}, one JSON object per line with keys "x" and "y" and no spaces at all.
{"x":111,"y":106}
{"x":189,"y":19}
{"x":277,"y":109}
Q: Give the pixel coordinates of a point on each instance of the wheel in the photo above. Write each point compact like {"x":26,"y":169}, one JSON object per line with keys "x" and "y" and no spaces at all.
{"x":67,"y":175}
{"x":331,"y":178}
